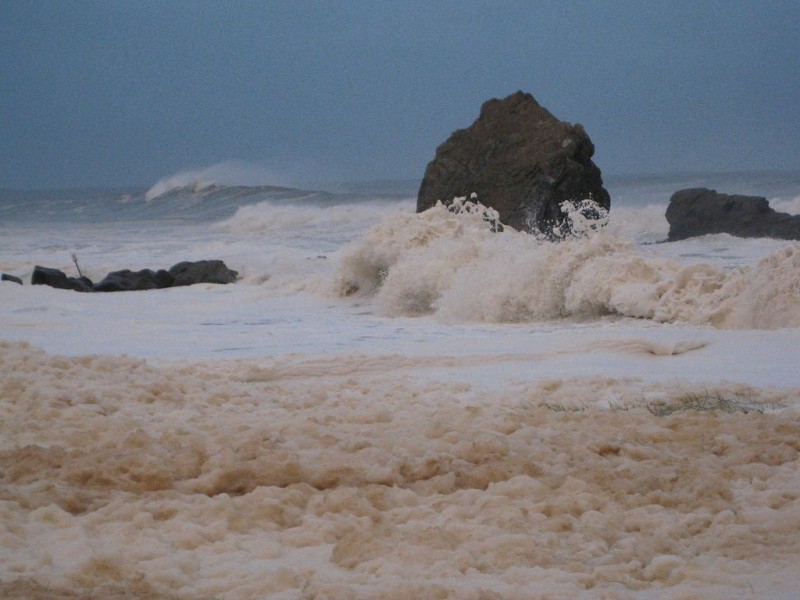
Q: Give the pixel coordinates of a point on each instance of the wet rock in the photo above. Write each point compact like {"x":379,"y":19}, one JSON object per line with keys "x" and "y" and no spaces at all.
{"x":700,"y":211}
{"x":127,"y":280}
{"x":7,"y":277}
{"x":58,"y":279}
{"x":202,"y":271}
{"x":518,"y":159}
{"x":183,"y":273}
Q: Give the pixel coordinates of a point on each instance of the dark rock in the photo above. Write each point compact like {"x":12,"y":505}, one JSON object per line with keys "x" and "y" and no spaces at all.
{"x":58,"y":279}
{"x":184,"y":273}
{"x":700,"y":211}
{"x":520,"y":160}
{"x":127,"y":280}
{"x":202,"y":271}
{"x":7,"y":277}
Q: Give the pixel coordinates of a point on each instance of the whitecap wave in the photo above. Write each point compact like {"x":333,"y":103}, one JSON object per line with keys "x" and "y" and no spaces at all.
{"x":786,"y":205}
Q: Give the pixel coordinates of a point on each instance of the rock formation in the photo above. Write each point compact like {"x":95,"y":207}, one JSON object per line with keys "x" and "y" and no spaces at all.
{"x":12,"y":278}
{"x":183,"y":273}
{"x":700,"y":211}
{"x":518,"y":159}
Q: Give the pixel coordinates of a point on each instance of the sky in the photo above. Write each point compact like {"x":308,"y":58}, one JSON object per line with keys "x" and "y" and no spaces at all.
{"x":114,"y":93}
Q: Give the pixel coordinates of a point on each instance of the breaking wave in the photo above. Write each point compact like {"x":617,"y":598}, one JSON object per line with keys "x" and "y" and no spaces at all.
{"x":788,"y":205}
{"x":228,"y":174}
{"x":454,"y":266}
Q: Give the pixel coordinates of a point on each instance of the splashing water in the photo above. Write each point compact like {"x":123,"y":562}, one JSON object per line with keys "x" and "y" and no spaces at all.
{"x":454,"y":264}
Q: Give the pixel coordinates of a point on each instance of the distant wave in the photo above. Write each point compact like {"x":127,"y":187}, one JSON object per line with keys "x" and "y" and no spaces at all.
{"x":200,"y":190}
{"x":229,"y":174}
{"x":788,"y":205}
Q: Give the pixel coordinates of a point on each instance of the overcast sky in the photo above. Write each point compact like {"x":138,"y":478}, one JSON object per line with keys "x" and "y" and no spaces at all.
{"x":108,"y":93}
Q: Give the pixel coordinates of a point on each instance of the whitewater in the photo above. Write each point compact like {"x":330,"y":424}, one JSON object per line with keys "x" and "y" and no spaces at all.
{"x":397,"y":405}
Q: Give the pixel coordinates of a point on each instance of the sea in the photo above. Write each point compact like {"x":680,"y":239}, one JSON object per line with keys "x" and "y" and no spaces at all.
{"x":391,"y":404}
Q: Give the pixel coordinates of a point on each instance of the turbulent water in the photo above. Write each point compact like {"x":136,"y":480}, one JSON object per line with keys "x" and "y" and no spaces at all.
{"x":397,"y":405}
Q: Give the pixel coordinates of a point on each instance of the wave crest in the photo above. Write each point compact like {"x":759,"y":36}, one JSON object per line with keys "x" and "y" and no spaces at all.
{"x":223,"y":174}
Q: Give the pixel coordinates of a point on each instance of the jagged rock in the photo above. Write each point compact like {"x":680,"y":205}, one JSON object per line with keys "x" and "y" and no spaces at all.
{"x":202,"y":271}
{"x":520,"y":160}
{"x":58,"y":279}
{"x":7,"y":277}
{"x":127,"y":280}
{"x":700,"y":211}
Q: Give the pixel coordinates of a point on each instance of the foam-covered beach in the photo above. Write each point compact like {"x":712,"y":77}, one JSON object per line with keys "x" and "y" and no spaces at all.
{"x":322,"y":478}
{"x":397,"y":405}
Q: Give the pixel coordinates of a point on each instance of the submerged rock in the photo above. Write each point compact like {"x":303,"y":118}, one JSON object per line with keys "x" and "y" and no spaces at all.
{"x":700,"y":211}
{"x":519,"y":160}
{"x":58,"y":279}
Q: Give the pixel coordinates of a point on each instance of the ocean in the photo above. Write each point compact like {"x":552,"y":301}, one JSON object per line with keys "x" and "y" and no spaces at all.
{"x":397,"y":405}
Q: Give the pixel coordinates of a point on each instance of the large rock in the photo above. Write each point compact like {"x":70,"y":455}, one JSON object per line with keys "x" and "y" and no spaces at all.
{"x":58,"y":279}
{"x":700,"y":211}
{"x":202,"y":271}
{"x":520,"y":160}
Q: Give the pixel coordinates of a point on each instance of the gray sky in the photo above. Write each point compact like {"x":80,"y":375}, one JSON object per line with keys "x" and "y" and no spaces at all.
{"x":104,"y":93}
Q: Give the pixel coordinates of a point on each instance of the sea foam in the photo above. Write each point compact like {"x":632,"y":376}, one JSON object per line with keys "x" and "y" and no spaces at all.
{"x":342,"y":453}
{"x":315,"y":477}
{"x":454,"y":266}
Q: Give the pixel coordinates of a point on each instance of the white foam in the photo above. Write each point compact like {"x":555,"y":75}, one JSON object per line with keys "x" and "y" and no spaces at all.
{"x":453,"y":266}
{"x":786,"y":205}
{"x":349,"y":450}
{"x":295,"y":224}
{"x":338,"y":477}
{"x":641,"y":224}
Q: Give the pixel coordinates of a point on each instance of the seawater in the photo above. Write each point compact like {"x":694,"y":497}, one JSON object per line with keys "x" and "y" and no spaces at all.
{"x":397,"y":405}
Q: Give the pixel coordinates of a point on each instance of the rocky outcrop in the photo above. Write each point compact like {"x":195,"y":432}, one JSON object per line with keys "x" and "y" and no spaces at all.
{"x":518,"y":159}
{"x":11,"y":278}
{"x":181,"y":274}
{"x":700,"y":211}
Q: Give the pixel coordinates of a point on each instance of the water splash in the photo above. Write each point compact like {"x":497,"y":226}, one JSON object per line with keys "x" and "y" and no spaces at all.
{"x":453,"y":264}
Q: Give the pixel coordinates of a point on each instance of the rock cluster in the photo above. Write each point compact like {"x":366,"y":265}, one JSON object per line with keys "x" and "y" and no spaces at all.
{"x":700,"y":211}
{"x":183,"y":273}
{"x":518,"y":159}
